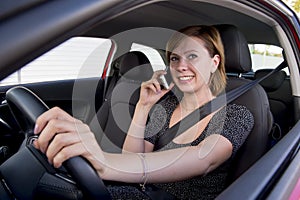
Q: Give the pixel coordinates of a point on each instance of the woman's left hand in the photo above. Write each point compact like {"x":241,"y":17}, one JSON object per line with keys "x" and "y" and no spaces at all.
{"x":61,"y":137}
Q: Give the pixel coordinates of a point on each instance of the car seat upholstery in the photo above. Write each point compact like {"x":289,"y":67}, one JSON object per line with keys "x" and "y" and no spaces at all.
{"x":279,"y":94}
{"x":114,"y":116}
{"x":238,"y":60}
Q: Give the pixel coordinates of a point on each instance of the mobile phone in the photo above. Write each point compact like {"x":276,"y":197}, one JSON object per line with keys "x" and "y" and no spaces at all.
{"x":163,"y":82}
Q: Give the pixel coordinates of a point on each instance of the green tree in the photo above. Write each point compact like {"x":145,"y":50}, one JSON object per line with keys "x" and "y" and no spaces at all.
{"x":296,"y":6}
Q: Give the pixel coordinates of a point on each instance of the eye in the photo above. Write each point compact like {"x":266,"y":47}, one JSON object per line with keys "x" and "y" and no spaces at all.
{"x":192,"y":56}
{"x":174,"y":58}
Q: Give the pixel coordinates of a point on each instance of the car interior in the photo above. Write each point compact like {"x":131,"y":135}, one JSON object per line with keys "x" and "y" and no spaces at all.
{"x":107,"y":103}
{"x":123,"y":95}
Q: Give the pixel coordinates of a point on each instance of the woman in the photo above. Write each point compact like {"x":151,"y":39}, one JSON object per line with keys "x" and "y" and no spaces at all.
{"x":194,"y":164}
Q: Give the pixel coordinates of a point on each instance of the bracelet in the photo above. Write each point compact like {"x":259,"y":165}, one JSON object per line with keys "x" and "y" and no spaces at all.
{"x":145,"y":169}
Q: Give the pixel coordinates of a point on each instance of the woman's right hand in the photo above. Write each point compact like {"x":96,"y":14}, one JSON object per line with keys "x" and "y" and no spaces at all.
{"x":150,"y":93}
{"x":151,"y":90}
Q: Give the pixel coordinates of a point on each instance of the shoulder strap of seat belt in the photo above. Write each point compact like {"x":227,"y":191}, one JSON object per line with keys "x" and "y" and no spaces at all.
{"x":208,"y":108}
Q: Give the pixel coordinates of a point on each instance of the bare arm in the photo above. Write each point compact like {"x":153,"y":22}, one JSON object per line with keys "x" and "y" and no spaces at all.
{"x":167,"y":166}
{"x":134,"y":141}
{"x":62,"y":137}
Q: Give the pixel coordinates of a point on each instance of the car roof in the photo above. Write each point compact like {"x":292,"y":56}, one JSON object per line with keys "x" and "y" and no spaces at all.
{"x":55,"y":21}
{"x":177,"y":14}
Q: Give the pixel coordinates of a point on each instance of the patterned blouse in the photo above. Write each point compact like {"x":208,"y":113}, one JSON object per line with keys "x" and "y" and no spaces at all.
{"x":234,"y":122}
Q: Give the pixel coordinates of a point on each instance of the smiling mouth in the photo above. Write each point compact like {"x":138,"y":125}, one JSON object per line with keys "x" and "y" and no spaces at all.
{"x":185,"y":78}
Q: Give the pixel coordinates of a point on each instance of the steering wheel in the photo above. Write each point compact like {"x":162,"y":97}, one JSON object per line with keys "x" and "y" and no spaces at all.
{"x":26,"y":107}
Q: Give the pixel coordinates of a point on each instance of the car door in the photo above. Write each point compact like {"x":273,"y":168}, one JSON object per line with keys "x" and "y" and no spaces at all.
{"x":69,"y":76}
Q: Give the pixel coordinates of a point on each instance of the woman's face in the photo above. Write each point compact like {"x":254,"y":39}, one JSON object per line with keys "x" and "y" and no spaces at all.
{"x":191,"y":65}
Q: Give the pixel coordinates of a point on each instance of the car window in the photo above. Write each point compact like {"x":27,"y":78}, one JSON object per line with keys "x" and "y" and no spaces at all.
{"x":265,"y":56}
{"x":78,"y":57}
{"x":152,"y":54}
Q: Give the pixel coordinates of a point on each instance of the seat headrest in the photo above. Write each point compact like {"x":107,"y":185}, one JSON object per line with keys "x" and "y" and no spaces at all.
{"x":135,"y":65}
{"x":273,"y":82}
{"x":237,"y":54}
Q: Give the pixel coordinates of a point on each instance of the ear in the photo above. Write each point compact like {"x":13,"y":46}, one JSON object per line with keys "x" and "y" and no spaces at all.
{"x":215,"y":63}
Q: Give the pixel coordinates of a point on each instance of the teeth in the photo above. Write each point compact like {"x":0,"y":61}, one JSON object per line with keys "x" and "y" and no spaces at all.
{"x":185,"y":78}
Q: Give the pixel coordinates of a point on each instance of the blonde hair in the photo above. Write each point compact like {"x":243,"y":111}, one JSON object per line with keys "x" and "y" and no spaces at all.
{"x":213,"y":43}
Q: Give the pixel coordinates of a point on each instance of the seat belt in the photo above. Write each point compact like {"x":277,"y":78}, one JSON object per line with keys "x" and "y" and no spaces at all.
{"x":208,"y":108}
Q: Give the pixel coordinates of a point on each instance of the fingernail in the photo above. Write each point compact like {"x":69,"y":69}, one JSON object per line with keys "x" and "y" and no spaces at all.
{"x":35,"y":144}
{"x":41,"y":149}
{"x":56,"y":165}
{"x":36,"y":129}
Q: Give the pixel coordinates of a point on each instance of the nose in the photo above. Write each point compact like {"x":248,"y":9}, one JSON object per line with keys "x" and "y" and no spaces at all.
{"x":181,"y":65}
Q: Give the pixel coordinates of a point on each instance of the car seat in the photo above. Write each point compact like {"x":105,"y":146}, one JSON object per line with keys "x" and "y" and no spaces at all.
{"x":114,"y":117}
{"x":279,"y":94}
{"x":237,"y":61}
